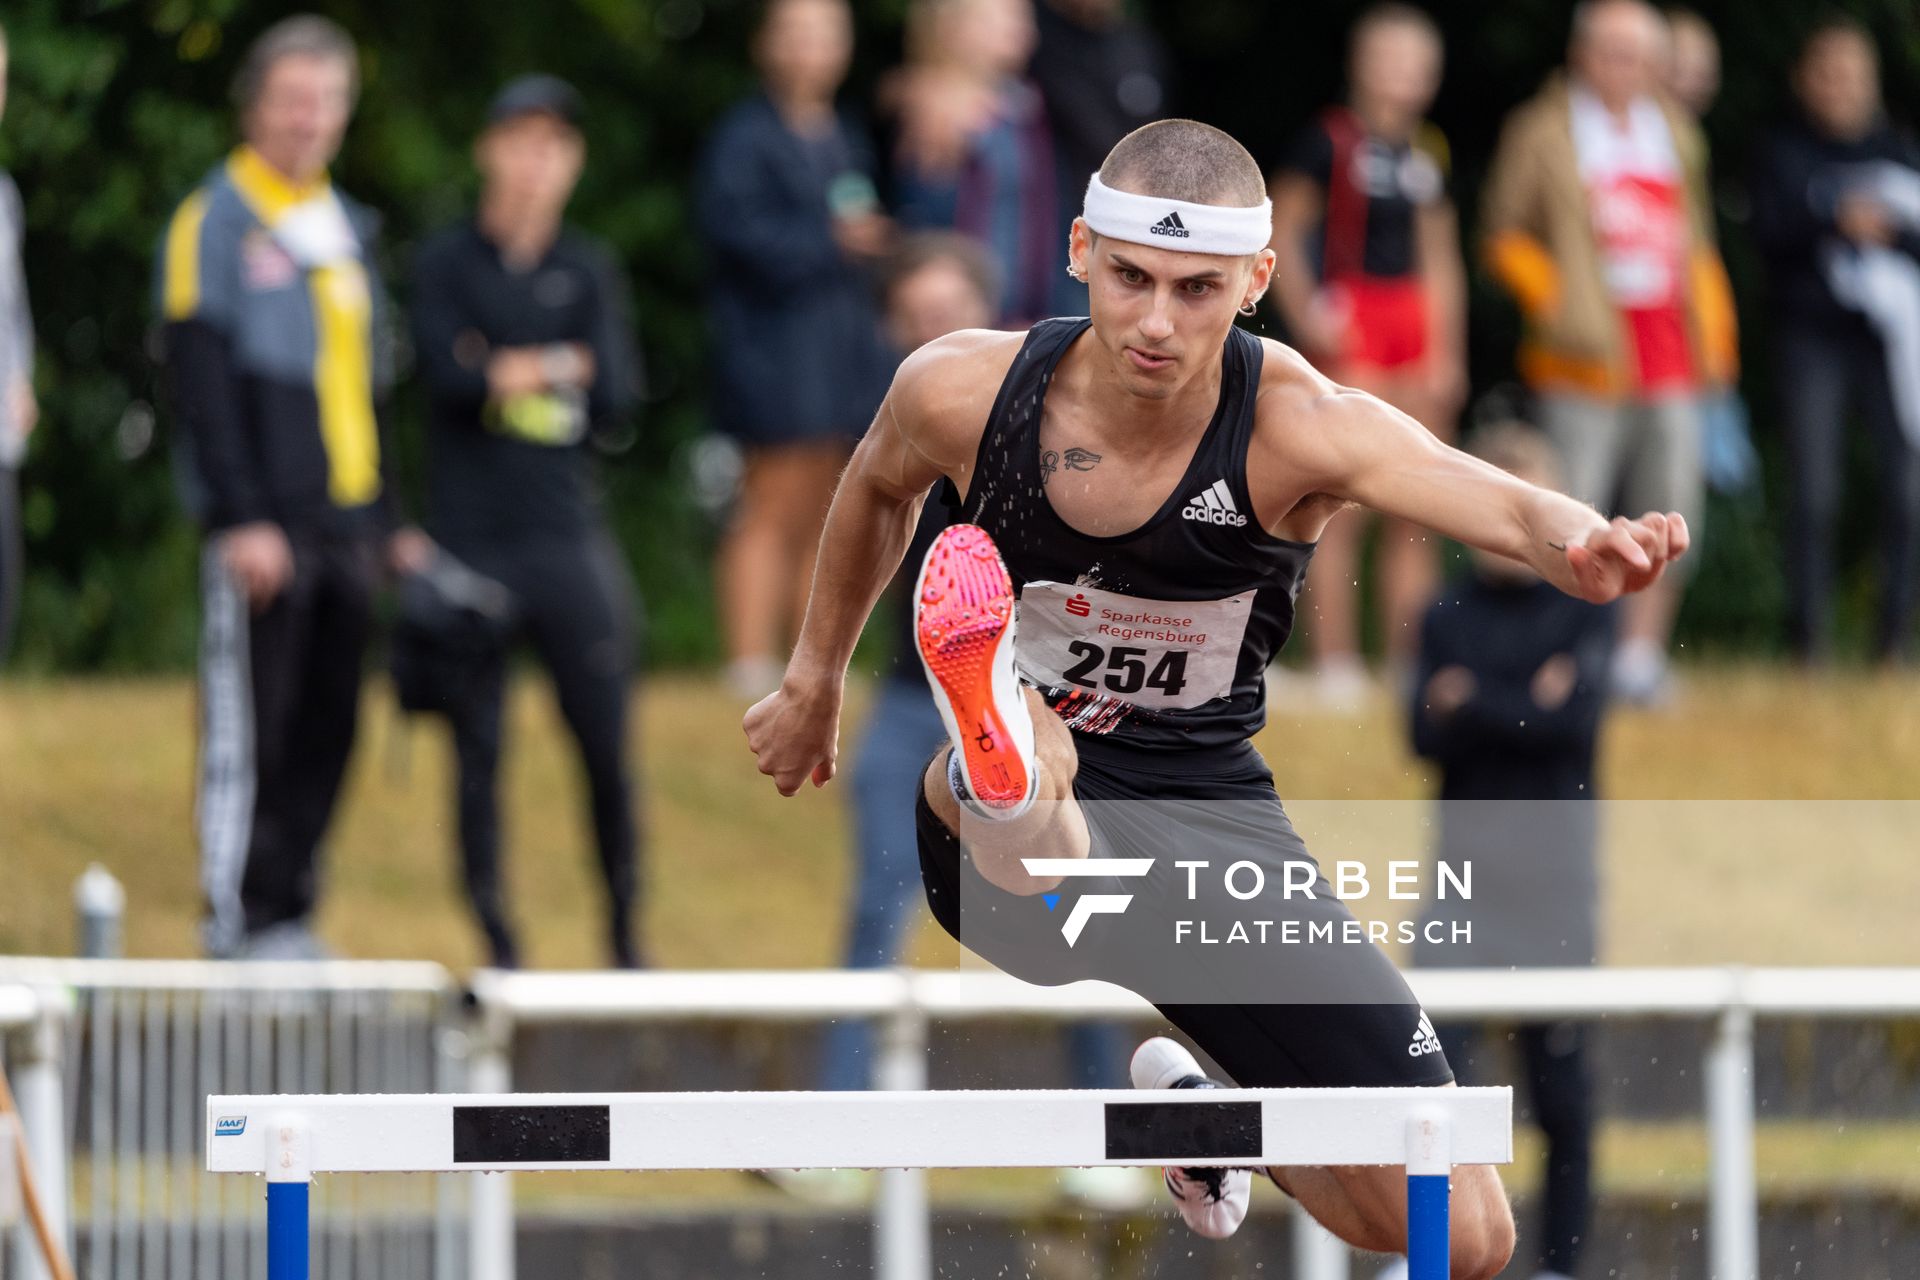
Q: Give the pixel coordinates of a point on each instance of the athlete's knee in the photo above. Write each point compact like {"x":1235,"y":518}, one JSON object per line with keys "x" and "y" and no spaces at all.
{"x":1481,"y":1232}
{"x":1483,"y":1255}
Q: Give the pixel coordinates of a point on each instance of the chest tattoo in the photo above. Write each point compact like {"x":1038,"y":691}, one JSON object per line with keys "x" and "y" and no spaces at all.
{"x":1074,"y":459}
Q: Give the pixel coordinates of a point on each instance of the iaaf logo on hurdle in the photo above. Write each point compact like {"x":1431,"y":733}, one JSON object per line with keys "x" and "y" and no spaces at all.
{"x":229,"y":1126}
{"x":1091,"y":904}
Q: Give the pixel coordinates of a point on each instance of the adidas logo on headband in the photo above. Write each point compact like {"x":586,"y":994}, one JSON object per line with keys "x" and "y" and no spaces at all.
{"x":1169,"y":226}
{"x":1159,"y":221}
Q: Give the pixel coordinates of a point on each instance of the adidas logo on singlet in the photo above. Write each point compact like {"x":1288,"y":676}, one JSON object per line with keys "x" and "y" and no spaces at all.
{"x":1424,"y":1041}
{"x":1214,"y":506}
{"x":1169,"y":226}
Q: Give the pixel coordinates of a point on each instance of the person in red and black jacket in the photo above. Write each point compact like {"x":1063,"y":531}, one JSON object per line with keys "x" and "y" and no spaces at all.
{"x":1369,"y":282}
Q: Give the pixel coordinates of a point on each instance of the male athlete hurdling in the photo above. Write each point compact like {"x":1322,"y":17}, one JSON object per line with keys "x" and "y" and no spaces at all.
{"x":1159,"y":474}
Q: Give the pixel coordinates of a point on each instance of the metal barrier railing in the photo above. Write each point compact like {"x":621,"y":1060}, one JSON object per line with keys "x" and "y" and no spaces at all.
{"x":115,"y":1058}
{"x":905,"y":1002}
{"x":113,"y":1076}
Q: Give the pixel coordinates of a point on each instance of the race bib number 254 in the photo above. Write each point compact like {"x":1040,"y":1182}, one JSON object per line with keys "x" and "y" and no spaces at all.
{"x":1167,"y":654}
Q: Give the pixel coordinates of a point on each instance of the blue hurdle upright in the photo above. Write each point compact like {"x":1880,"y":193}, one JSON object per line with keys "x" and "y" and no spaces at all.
{"x":290,"y":1138}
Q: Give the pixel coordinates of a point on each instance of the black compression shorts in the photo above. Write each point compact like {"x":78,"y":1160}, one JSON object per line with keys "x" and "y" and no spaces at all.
{"x":1219,"y":805}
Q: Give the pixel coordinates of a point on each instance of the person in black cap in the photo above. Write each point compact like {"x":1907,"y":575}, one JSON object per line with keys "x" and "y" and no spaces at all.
{"x":523,"y":331}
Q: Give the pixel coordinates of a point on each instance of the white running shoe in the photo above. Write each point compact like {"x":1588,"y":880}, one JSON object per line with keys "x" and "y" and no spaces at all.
{"x":963,"y":613}
{"x":1213,"y":1202}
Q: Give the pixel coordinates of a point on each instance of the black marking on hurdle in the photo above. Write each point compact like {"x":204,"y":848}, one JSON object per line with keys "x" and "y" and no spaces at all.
{"x":532,"y":1135}
{"x":1173,"y":1131}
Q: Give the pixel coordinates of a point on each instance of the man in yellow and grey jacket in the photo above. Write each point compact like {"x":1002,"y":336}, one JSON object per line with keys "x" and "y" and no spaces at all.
{"x":1597,"y":221}
{"x":271,"y":307}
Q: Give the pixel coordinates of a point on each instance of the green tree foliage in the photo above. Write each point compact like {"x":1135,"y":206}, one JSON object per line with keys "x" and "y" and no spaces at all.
{"x":116,"y":114}
{"x":119,"y":106}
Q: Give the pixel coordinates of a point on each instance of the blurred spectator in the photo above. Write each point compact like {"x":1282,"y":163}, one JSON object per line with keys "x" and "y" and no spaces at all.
{"x":524,"y":338}
{"x":1102,"y":75}
{"x":974,"y":151}
{"x":271,"y":307}
{"x":18,"y":408}
{"x":787,"y":205}
{"x":1369,"y":282}
{"x":1836,"y":208}
{"x":1597,"y":221}
{"x":1690,"y":73}
{"x":1511,"y":692}
{"x":1692,"y":66}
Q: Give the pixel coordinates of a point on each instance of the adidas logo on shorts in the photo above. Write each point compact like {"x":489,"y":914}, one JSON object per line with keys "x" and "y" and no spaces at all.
{"x":1169,"y":226}
{"x":1214,"y":506}
{"x":1424,"y":1041}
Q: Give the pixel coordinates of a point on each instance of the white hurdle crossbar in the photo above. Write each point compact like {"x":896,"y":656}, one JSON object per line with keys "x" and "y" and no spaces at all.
{"x":290,"y":1138}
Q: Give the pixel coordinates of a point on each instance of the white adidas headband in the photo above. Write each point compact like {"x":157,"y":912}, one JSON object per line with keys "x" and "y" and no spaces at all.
{"x":1176,"y":224}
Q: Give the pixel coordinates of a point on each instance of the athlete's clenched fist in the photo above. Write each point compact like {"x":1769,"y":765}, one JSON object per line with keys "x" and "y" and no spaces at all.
{"x":794,"y":733}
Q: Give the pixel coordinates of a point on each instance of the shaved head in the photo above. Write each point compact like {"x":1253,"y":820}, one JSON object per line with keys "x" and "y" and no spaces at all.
{"x":1185,"y":160}
{"x":1162,"y":305}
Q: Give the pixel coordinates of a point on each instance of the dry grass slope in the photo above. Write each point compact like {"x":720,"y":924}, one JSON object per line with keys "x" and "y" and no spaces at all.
{"x":739,"y":878}
{"x":1774,"y":819}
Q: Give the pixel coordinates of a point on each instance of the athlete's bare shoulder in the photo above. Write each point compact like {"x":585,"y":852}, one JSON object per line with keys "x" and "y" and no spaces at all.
{"x":1299,"y":457}
{"x":1285,"y":374}
{"x":1292,"y":400}
{"x":944,"y":392}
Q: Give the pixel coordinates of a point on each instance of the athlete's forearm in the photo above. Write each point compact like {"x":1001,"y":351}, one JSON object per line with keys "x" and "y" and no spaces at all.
{"x":866,"y":535}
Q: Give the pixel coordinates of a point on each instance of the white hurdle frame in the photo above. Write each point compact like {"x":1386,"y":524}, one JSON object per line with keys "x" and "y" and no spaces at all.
{"x":290,"y":1138}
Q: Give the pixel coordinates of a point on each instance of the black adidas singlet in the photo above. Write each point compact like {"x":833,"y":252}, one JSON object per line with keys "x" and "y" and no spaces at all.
{"x":1160,"y":637}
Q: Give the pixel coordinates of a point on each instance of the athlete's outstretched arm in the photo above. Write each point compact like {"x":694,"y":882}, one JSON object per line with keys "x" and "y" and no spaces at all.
{"x":1380,"y":458}
{"x":794,"y":732}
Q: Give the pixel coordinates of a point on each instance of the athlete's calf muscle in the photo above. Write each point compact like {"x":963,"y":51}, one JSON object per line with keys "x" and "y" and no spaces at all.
{"x":1366,"y":1207}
